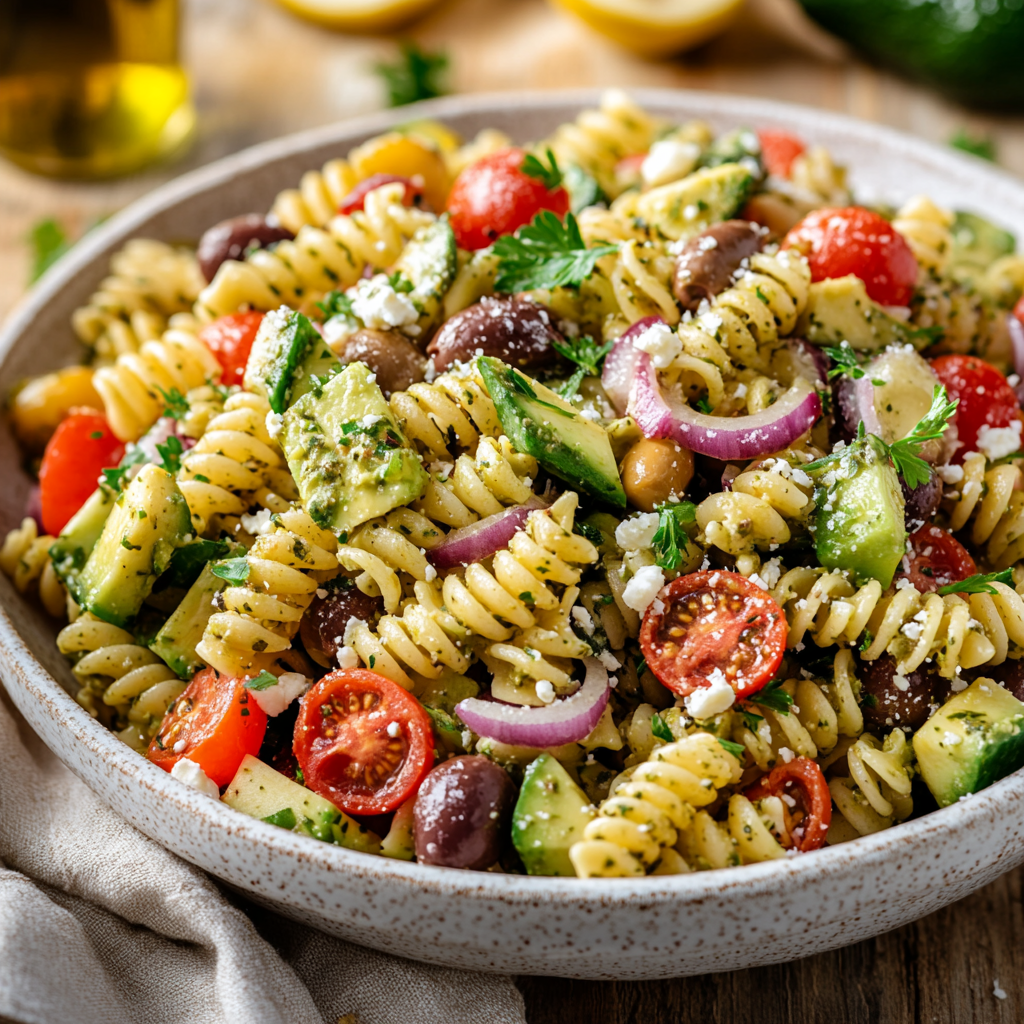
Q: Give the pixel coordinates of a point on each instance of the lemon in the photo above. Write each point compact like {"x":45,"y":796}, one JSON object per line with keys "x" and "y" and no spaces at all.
{"x":655,"y":28}
{"x":360,"y":15}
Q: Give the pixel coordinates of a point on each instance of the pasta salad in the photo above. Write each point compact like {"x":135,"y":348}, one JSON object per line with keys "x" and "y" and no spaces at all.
{"x":630,"y":502}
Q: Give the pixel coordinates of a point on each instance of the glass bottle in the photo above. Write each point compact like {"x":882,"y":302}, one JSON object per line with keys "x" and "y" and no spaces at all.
{"x":91,"y":88}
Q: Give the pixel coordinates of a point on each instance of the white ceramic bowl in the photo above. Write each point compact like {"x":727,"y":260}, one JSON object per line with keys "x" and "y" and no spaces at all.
{"x":646,"y":928}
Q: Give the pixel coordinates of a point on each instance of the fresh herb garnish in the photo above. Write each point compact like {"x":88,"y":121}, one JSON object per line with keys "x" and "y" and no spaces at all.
{"x":176,"y":404}
{"x":773,"y":697}
{"x":170,"y":454}
{"x":549,"y":173}
{"x":588,"y":357}
{"x":416,"y":75}
{"x":49,"y":242}
{"x":592,"y":533}
{"x":704,"y":406}
{"x":261,"y":682}
{"x":847,"y":363}
{"x":751,"y":719}
{"x":523,"y":387}
{"x":977,"y":145}
{"x":905,"y":453}
{"x":115,"y":478}
{"x":234,"y":570}
{"x":736,"y":749}
{"x":869,"y":639}
{"x":546,"y":254}
{"x":671,"y":540}
{"x":336,"y":304}
{"x":641,"y":667}
{"x":660,"y":729}
{"x":979,"y":583}
{"x":399,"y":282}
{"x":284,"y":818}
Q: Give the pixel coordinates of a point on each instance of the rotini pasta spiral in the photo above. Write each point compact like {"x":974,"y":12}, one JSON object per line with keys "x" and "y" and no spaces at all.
{"x":990,"y":500}
{"x":131,"y":388}
{"x":876,"y":794}
{"x":639,"y":276}
{"x":120,"y":679}
{"x":318,"y":259}
{"x":25,"y":558}
{"x":926,"y":227}
{"x":818,"y":176}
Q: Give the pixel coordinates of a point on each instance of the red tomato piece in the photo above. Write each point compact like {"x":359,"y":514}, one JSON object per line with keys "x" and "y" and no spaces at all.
{"x":81,"y":447}
{"x":494,"y":197}
{"x":935,"y":559}
{"x":357,"y":197}
{"x":345,"y":750}
{"x":985,"y":396}
{"x":802,"y":780}
{"x":712,"y":622}
{"x":230,"y":340}
{"x":778,"y":150}
{"x":215,"y":723}
{"x":856,"y":241}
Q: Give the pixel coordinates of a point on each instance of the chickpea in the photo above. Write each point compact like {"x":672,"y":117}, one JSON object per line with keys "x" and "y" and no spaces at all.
{"x":653,"y":469}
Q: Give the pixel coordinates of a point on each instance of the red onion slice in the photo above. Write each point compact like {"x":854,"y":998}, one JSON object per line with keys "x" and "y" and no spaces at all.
{"x":564,"y":721}
{"x":620,"y":364}
{"x":1016,"y":329}
{"x":480,"y":540}
{"x":742,"y":437}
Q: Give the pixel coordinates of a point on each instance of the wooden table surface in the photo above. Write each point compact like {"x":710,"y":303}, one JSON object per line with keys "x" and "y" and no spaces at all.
{"x":260,"y":73}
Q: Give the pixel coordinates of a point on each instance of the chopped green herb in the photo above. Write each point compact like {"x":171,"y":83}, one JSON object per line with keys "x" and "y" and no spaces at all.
{"x":264,"y":681}
{"x":285,"y":818}
{"x":905,"y":453}
{"x":847,"y":361}
{"x":549,"y":173}
{"x":170,"y":454}
{"x":335,"y":304}
{"x":176,"y":403}
{"x":96,"y":435}
{"x":977,"y":145}
{"x":49,"y":242}
{"x":592,"y":533}
{"x":588,"y":357}
{"x":773,"y":698}
{"x":399,"y":282}
{"x":979,"y":583}
{"x":234,"y":570}
{"x":751,"y":719}
{"x":660,"y":729}
{"x":671,"y":540}
{"x":869,"y":639}
{"x":704,"y":406}
{"x":415,"y":76}
{"x":114,"y":478}
{"x":736,"y":749}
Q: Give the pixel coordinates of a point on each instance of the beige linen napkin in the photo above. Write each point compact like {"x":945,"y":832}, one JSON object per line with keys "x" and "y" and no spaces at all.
{"x":100,"y":925}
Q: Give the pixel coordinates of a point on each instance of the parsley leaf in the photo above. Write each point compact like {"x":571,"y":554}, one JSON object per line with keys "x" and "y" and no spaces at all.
{"x":750,"y":719}
{"x":546,"y":254}
{"x":736,"y":749}
{"x":660,"y":729}
{"x":977,"y":145}
{"x":336,"y":304}
{"x":416,"y":75}
{"x":49,"y":242}
{"x":170,"y":454}
{"x":847,"y":362}
{"x":588,"y":357}
{"x":264,"y":681}
{"x":591,"y":533}
{"x":550,"y":173}
{"x":399,"y":282}
{"x":905,"y":453}
{"x":114,"y":478}
{"x":177,"y":404}
{"x":773,"y":697}
{"x":234,"y":570}
{"x":979,"y":583}
{"x":671,"y":540}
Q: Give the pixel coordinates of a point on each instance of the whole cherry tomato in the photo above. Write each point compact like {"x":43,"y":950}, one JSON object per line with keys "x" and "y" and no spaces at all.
{"x":494,"y":197}
{"x":852,"y":240}
{"x":935,"y":559}
{"x":230,"y":340}
{"x":355,"y":200}
{"x":802,"y":781}
{"x":81,"y":447}
{"x":778,"y":150}
{"x":985,"y":398}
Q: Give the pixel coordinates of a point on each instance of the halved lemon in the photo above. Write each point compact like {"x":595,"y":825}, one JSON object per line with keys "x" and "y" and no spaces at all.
{"x":655,"y":28}
{"x":360,"y":15}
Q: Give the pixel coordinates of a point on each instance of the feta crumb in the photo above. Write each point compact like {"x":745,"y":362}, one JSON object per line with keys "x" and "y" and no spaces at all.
{"x":259,"y":523}
{"x":430,"y":573}
{"x":590,"y":414}
{"x":179,"y":746}
{"x":643,"y":588}
{"x":668,"y":160}
{"x":637,"y":532}
{"x":661,"y":343}
{"x":545,"y":691}
{"x":583,"y":619}
{"x":786,"y":754}
{"x":998,"y":442}
{"x":951,"y":739}
{"x":194,"y":777}
{"x":275,"y":422}
{"x":771,"y":572}
{"x":351,"y":627}
{"x":379,"y":306}
{"x":369,"y":420}
{"x":711,"y":700}
{"x":274,"y":699}
{"x":321,"y":593}
{"x":755,"y":579}
{"x":347,"y":657}
{"x":466,"y":738}
{"x":394,"y":730}
{"x":950,"y":474}
{"x":609,"y":660}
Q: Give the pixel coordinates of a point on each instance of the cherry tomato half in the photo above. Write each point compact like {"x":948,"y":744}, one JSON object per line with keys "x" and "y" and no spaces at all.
{"x":801,"y":779}
{"x":936,"y":559}
{"x":345,"y":750}
{"x":856,"y":241}
{"x":986,"y":398}
{"x":82,"y":446}
{"x":230,"y":340}
{"x":494,"y":197}
{"x":214,"y":723}
{"x":778,"y":150}
{"x":356,"y":199}
{"x":714,"y":621}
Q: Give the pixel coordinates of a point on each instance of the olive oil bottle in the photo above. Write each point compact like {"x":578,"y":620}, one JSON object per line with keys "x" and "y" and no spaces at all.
{"x":91,"y":88}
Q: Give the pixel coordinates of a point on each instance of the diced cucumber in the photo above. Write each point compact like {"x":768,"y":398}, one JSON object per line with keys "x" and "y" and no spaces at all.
{"x":71,"y":550}
{"x":177,"y":639}
{"x":429,"y":263}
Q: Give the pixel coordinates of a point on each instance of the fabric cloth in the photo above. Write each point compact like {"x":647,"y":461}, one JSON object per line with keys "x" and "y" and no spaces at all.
{"x":100,"y":925}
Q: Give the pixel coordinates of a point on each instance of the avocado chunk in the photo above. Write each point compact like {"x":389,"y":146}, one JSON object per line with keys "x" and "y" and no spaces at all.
{"x":400,"y":842}
{"x":288,"y":358}
{"x":859,"y":525}
{"x":71,"y":550}
{"x":148,"y":522}
{"x":685,"y":208}
{"x":740,"y":146}
{"x":261,"y":792}
{"x":350,"y":459}
{"x":839,"y":309}
{"x":540,"y":423}
{"x":429,"y":263}
{"x":550,"y":815}
{"x":974,"y":739}
{"x":978,"y":241}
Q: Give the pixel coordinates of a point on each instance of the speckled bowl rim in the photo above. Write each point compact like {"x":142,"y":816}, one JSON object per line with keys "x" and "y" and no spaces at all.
{"x":513,"y":890}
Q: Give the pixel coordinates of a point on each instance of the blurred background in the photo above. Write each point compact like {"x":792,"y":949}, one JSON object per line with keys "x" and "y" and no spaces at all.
{"x":257,"y":70}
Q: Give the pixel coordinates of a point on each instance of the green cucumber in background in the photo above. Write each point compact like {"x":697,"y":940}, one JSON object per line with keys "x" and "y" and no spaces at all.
{"x":971,"y":50}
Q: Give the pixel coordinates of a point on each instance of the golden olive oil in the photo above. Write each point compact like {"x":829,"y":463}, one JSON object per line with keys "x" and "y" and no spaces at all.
{"x":91,"y":88}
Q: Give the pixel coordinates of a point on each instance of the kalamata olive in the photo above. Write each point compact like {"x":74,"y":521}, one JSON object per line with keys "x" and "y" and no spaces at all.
{"x":514,"y":329}
{"x":921,"y":501}
{"x":323,"y":626}
{"x":394,"y":358}
{"x":706,"y":264}
{"x":653,"y":469}
{"x":229,"y":240}
{"x":462,"y":813}
{"x":893,"y":701}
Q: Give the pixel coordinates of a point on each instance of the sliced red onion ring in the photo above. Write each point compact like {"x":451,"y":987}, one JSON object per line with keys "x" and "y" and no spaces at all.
{"x":480,"y":540}
{"x":742,"y":437}
{"x":1016,"y":329}
{"x":564,"y":721}
{"x":620,"y":364}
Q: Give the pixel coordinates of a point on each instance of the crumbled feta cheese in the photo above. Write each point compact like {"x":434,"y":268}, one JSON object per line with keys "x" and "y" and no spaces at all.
{"x":637,"y":532}
{"x":347,"y":657}
{"x":369,"y":420}
{"x":179,"y":746}
{"x":998,"y":442}
{"x":545,"y":691}
{"x":951,"y":739}
{"x":351,"y":627}
{"x":259,"y":523}
{"x":786,"y":754}
{"x":274,"y":423}
{"x":711,"y":700}
{"x":378,"y":305}
{"x":771,"y":572}
{"x":430,"y":573}
{"x":590,"y":414}
{"x":609,"y":660}
{"x":394,"y":730}
{"x":466,"y":738}
{"x":668,"y":160}
{"x":755,"y":579}
{"x":643,"y":588}
{"x":661,"y":343}
{"x":193,"y":776}
{"x":338,"y":330}
{"x":442,"y":470}
{"x":950,"y":474}
{"x":321,"y":593}
{"x":274,"y":699}
{"x":583,"y":619}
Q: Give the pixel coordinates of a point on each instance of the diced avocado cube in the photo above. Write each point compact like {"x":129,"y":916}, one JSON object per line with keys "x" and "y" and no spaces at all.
{"x":288,"y":359}
{"x":350,"y":459}
{"x":71,"y":550}
{"x":974,"y":739}
{"x":540,"y":423}
{"x":859,"y":525}
{"x":839,"y":309}
{"x":148,"y":522}
{"x":400,"y":842}
{"x":550,"y":815}
{"x":429,"y":263}
{"x":261,"y":792}
{"x":978,"y":242}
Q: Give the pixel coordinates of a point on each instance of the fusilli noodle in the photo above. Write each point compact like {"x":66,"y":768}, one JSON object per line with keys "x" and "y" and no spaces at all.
{"x":25,"y":558}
